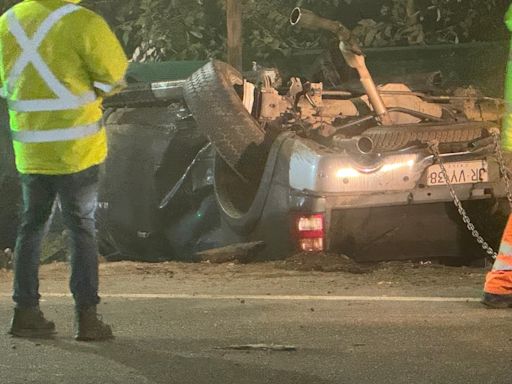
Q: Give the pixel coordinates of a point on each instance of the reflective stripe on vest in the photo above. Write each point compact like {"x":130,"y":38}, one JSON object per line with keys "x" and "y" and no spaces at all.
{"x":504,"y":260}
{"x":103,"y":87}
{"x":62,"y":134}
{"x":505,"y":249}
{"x":500,"y":265}
{"x":49,"y":105}
{"x":30,"y":55}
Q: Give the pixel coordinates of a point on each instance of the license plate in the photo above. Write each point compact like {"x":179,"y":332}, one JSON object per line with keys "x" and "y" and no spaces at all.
{"x":463,"y":172}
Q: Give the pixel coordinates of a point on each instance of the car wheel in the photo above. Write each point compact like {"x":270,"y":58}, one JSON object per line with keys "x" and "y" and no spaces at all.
{"x":218,"y":110}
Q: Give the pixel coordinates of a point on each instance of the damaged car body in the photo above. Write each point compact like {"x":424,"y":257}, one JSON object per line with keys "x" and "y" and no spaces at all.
{"x":303,"y":168}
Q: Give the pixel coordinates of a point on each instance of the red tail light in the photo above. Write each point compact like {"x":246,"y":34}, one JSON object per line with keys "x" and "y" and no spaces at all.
{"x":309,"y":232}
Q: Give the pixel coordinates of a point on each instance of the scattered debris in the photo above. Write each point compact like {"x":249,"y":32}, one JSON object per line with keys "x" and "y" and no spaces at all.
{"x":154,"y":269}
{"x":261,"y":347}
{"x":326,"y":262}
{"x":241,"y":253}
{"x":6,"y":259}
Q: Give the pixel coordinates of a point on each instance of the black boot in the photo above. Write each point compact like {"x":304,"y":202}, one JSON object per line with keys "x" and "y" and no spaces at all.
{"x":497,"y":301}
{"x":30,"y":322}
{"x":90,"y":327}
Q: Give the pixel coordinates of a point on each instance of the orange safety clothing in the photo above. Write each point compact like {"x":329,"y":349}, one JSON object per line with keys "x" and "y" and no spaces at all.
{"x":499,"y":280}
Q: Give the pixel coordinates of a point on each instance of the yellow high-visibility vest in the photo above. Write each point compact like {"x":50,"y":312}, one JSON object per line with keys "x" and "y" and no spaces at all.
{"x":506,"y":133}
{"x":57,"y":61}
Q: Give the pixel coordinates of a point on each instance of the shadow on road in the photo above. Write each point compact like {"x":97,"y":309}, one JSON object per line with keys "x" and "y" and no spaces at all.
{"x":159,"y":361}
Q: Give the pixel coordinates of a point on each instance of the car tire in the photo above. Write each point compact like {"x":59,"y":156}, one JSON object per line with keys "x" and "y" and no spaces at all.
{"x":219,"y":112}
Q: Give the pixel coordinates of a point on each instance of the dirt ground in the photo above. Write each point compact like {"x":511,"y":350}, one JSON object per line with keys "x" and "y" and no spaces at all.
{"x":301,"y":274}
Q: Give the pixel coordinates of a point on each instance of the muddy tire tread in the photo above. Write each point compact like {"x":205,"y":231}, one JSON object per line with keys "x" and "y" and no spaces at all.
{"x":219,"y":112}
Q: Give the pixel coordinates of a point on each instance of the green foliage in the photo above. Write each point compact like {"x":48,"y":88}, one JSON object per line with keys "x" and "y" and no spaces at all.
{"x":162,"y":29}
{"x":196,"y":29}
{"x":399,"y":23}
{"x":6,"y":4}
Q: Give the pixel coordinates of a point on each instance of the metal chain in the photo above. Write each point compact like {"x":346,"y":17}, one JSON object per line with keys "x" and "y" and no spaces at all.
{"x":434,"y":148}
{"x":503,"y":167}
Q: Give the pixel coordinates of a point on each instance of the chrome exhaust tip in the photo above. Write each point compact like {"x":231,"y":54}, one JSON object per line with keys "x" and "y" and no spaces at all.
{"x":365,"y":145}
{"x":362,"y":145}
{"x":295,"y":16}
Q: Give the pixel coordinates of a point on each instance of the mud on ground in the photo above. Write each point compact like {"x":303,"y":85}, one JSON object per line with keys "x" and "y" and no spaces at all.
{"x":303,"y":274}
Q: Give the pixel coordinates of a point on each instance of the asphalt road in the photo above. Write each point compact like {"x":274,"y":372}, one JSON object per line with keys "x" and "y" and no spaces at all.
{"x":186,"y":337}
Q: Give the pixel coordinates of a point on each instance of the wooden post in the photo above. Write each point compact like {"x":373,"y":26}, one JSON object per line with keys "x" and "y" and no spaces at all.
{"x":412,"y":15}
{"x":234,"y":24}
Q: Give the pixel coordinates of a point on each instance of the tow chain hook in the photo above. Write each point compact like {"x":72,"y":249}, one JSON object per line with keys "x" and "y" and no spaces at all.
{"x":434,"y":149}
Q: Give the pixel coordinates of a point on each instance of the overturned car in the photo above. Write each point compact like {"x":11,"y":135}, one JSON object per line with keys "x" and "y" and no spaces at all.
{"x":390,"y":173}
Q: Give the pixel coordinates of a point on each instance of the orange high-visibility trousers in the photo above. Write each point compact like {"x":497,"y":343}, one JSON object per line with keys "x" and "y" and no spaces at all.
{"x":499,"y":280}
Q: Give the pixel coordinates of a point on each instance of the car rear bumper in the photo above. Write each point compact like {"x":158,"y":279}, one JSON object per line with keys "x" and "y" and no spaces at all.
{"x":422,"y":231}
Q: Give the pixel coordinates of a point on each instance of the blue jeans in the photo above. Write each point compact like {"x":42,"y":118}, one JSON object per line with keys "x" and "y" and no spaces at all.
{"x":78,"y":195}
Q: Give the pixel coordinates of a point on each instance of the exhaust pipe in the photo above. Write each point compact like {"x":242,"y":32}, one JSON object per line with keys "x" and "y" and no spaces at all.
{"x":351,"y":52}
{"x":309,"y":20}
{"x":362,"y":145}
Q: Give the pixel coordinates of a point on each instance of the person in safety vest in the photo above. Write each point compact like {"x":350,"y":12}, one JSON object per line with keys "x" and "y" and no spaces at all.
{"x":57,"y":61}
{"x":498,"y":284}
